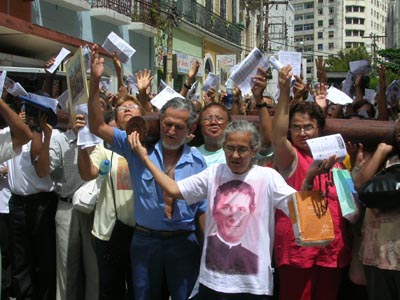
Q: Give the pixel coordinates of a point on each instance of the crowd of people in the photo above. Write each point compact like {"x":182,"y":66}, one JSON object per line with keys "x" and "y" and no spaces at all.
{"x":208,"y":202}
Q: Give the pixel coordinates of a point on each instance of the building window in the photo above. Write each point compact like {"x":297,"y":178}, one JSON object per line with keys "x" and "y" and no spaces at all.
{"x":320,"y":11}
{"x":309,"y":16}
{"x":209,"y":5}
{"x":234,"y":11}
{"x":320,"y":1}
{"x":222,"y":9}
{"x":331,"y":10}
{"x":309,"y":37}
{"x":362,"y":21}
{"x":298,"y":27}
{"x":356,"y":8}
{"x":348,"y":20}
{"x":320,"y":23}
{"x":298,"y":17}
{"x":330,"y":46}
{"x":320,"y":35}
{"x":309,"y":5}
{"x":308,"y":26}
{"x":331,"y":22}
{"x":298,"y":7}
{"x":361,"y":32}
{"x":348,"y":9}
{"x":348,"y":32}
{"x":331,"y":34}
{"x":320,"y":47}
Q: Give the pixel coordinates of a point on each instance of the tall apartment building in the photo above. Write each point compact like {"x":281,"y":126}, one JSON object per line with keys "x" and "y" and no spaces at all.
{"x":393,"y":25}
{"x":324,"y":27}
{"x":275,"y":36}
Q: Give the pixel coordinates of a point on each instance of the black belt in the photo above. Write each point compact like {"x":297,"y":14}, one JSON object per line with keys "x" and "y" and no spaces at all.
{"x":162,"y":233}
{"x":66,"y":199}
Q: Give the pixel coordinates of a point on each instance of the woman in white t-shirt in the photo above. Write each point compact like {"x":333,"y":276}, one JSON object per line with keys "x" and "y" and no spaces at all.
{"x":242,"y":198}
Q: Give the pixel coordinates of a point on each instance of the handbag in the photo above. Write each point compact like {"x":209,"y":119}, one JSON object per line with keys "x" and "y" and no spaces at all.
{"x":346,"y":193}
{"x":311,"y":219}
{"x":121,"y":236}
{"x":85,"y":198}
{"x":383,"y":190}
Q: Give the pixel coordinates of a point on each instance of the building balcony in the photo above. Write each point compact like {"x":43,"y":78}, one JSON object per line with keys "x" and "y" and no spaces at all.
{"x":199,"y":15}
{"x":117,"y":12}
{"x":75,"y":5}
{"x":146,"y":18}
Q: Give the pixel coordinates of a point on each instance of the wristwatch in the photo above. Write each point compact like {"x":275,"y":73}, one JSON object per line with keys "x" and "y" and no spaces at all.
{"x":188,"y":86}
{"x":261,"y":105}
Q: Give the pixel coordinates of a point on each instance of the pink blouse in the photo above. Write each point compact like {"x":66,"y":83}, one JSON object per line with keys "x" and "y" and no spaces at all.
{"x":336,"y":254}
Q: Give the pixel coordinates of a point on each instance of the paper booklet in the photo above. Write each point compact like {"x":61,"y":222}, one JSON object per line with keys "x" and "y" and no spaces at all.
{"x":114,"y":43}
{"x":36,"y":103}
{"x":61,"y":55}
{"x":338,"y":97}
{"x":211,"y":82}
{"x":14,"y":88}
{"x":325,"y":146}
{"x":85,"y":137}
{"x":166,"y":94}
{"x":393,"y":91}
{"x":242,"y":74}
{"x":358,"y":66}
{"x":2,"y":80}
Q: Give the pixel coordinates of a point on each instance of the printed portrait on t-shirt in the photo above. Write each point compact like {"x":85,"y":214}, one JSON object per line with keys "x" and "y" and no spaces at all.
{"x":234,"y":206}
{"x":123,"y":176}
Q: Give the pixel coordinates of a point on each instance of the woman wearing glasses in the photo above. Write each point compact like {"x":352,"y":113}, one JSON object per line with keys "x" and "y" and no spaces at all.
{"x":306,"y":273}
{"x":242,"y":199}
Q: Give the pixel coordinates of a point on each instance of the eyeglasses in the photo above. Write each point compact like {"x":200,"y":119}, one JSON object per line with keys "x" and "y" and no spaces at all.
{"x":240,"y":150}
{"x":307,"y":129}
{"x":127,"y":107}
{"x":209,"y":119}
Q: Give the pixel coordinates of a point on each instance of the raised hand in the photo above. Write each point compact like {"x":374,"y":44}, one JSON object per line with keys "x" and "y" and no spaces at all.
{"x":284,"y":78}
{"x":46,"y":127}
{"x":143,"y":79}
{"x":97,"y":63}
{"x":194,"y":68}
{"x":136,"y":145}
{"x":79,"y":123}
{"x":260,"y":82}
{"x":320,"y":97}
{"x":321,"y":72}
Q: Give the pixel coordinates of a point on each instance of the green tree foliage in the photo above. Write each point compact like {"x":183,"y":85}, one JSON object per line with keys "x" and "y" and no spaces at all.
{"x":390,"y":58}
{"x":340,"y":61}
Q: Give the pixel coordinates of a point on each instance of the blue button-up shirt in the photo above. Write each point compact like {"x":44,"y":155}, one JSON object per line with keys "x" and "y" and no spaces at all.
{"x":148,"y":196}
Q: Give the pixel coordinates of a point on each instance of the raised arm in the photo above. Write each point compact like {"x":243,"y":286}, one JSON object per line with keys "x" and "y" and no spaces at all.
{"x":42,"y":164}
{"x":194,"y":68}
{"x":383,"y":112}
{"x":20,"y":132}
{"x":167,"y":184}
{"x":96,"y":119}
{"x":87,"y":169}
{"x":372,"y":166}
{"x":260,"y":82}
{"x":284,"y":153}
{"x":118,"y":69}
{"x":144,"y":79}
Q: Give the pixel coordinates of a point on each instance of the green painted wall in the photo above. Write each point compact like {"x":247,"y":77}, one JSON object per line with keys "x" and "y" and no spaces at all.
{"x":187,"y":43}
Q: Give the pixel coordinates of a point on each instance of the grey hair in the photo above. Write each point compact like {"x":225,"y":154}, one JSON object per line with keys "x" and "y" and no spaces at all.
{"x":242,"y":125}
{"x":180,"y":104}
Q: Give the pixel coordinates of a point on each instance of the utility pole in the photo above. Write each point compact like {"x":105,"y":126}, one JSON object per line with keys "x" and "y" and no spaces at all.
{"x":265,"y":9}
{"x":168,"y":76}
{"x":374,"y":38}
